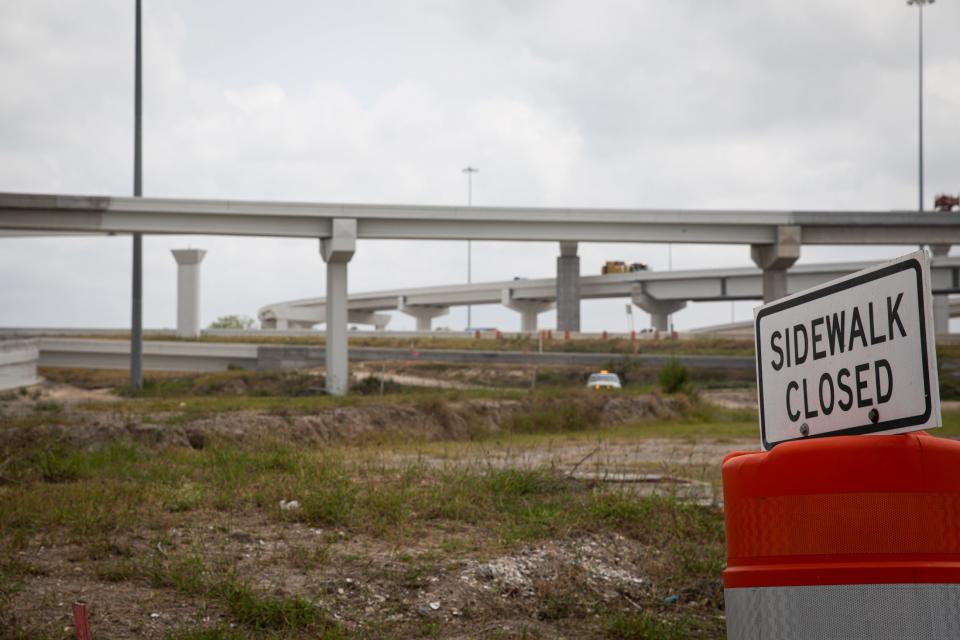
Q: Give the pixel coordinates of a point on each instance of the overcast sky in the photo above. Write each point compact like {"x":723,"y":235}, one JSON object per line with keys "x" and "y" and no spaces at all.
{"x":777,"y":104}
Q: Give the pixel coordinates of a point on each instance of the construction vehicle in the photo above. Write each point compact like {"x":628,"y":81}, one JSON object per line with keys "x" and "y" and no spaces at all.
{"x":943,"y":202}
{"x":619,"y":266}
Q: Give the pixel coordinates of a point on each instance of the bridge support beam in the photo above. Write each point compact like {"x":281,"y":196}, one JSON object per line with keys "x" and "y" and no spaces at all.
{"x":775,"y":259}
{"x":528,"y":309}
{"x":423,"y":313}
{"x":337,"y":251}
{"x":659,"y":310}
{"x":188,"y":291}
{"x":568,"y":288}
{"x":378,"y":320}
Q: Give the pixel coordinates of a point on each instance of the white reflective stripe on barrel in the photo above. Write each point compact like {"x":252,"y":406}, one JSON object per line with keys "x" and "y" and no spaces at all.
{"x":844,"y":612}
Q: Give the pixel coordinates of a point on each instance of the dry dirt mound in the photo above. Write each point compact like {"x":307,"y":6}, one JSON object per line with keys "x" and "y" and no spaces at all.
{"x":432,"y":420}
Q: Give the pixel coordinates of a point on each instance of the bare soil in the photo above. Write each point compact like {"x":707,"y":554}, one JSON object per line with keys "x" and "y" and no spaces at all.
{"x":548,"y":590}
{"x":442,"y":579}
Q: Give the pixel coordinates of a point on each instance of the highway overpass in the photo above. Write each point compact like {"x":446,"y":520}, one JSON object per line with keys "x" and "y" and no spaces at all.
{"x":774,"y":237}
{"x":659,"y":293}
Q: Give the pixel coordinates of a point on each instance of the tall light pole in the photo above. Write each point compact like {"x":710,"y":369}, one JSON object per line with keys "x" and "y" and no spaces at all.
{"x":136,"y":319}
{"x":470,"y":171}
{"x":920,"y":4}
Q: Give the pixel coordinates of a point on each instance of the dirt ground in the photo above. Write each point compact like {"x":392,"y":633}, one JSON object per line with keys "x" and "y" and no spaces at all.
{"x":473,"y":593}
{"x":440,"y":577}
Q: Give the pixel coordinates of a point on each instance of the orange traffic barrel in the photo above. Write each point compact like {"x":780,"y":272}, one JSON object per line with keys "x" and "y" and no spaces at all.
{"x":850,"y":537}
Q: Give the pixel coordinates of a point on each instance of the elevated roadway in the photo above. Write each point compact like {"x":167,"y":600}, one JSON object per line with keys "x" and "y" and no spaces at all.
{"x":775,"y":237}
{"x":656,"y":292}
{"x":110,"y":214}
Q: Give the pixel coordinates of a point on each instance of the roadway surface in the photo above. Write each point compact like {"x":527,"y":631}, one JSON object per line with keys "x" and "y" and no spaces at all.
{"x":705,"y":285}
{"x":108,"y":214}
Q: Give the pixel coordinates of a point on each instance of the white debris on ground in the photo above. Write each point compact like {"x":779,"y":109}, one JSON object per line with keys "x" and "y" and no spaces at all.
{"x":600,"y":560}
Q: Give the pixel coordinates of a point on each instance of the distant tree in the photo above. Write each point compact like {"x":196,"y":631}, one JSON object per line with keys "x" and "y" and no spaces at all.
{"x":233,"y":322}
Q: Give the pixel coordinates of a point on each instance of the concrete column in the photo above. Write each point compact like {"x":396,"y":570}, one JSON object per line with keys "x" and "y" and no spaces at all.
{"x":188,"y":291}
{"x":423,"y":313}
{"x":775,"y":259}
{"x":568,"y":288}
{"x":528,"y":309}
{"x":659,"y":310}
{"x":941,"y":314}
{"x":337,"y":250}
{"x":941,"y":302}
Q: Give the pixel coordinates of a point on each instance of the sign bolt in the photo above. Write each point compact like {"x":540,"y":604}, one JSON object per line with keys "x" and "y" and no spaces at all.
{"x":804,"y":429}
{"x":874,"y":415}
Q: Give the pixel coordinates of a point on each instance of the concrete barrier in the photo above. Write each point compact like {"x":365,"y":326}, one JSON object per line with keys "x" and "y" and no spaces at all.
{"x":39,"y":332}
{"x":18,"y":364}
{"x":158,"y":356}
{"x":207,"y":356}
{"x":284,"y":357}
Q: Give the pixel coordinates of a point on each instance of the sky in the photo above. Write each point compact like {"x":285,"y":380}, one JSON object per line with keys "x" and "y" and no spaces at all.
{"x":772,"y":105}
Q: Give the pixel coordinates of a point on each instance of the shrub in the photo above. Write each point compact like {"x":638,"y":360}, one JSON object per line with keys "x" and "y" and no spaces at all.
{"x":673,"y":377}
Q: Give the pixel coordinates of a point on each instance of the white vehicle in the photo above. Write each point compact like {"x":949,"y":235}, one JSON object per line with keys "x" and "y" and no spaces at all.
{"x":604,"y":380}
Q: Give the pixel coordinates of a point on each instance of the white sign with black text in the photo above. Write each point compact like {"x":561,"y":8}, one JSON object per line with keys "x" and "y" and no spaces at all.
{"x":853,"y":356}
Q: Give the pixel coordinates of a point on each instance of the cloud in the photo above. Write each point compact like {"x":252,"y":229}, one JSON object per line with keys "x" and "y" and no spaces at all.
{"x":777,"y":104}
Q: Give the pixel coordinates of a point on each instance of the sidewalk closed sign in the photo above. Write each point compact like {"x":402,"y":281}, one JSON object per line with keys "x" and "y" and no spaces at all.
{"x":853,"y":356}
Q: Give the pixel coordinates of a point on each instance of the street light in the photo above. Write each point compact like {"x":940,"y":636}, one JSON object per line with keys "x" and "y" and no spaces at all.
{"x":919,"y":4}
{"x":136,"y":311}
{"x":470,"y":171}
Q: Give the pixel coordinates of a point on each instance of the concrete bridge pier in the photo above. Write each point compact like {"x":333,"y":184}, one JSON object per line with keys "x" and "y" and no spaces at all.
{"x":378,"y":320}
{"x":423,"y":313}
{"x":337,"y":251}
{"x":941,"y":302}
{"x":568,"y":288}
{"x":775,"y":259}
{"x":528,"y":309}
{"x":188,"y":291}
{"x":659,"y":310}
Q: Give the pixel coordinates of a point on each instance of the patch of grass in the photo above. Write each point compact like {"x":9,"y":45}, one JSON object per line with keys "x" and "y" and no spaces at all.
{"x":376,"y":386}
{"x":194,"y":407}
{"x":268,"y":613}
{"x":54,"y":462}
{"x":645,"y":625}
{"x":48,"y":406}
{"x":123,"y":488}
{"x":951,"y":425}
{"x":121,"y":570}
{"x":578,"y":411}
{"x":215,"y":633}
{"x":230,"y":383}
{"x":254,"y":610}
{"x":673,"y":377}
{"x":96,"y":378}
{"x":567,"y":595}
{"x":242,"y":633}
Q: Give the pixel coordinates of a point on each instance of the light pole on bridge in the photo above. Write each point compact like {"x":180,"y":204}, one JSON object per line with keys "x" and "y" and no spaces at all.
{"x":469,"y":170}
{"x":919,"y":4}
